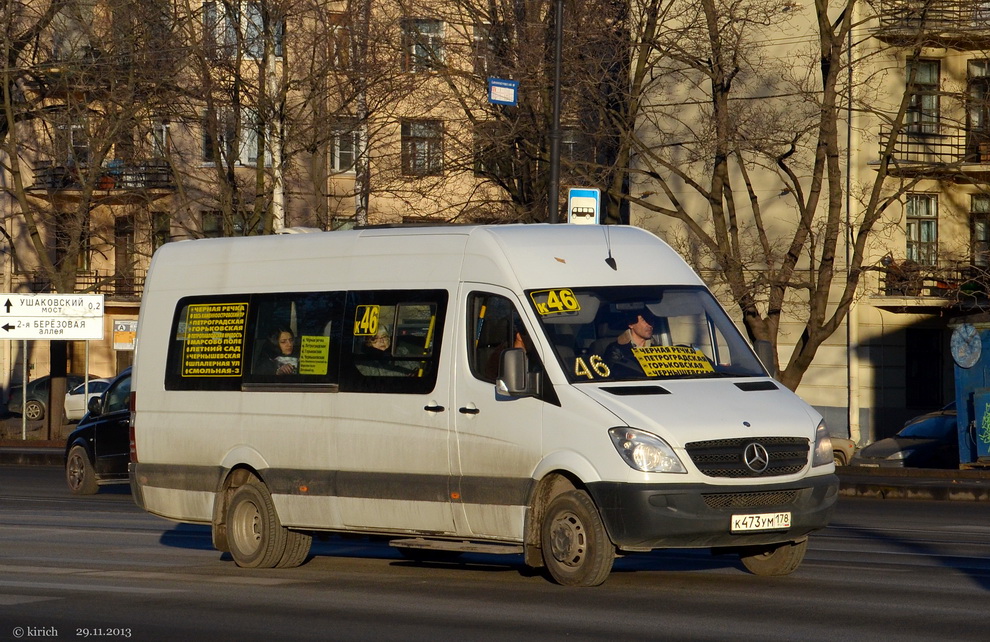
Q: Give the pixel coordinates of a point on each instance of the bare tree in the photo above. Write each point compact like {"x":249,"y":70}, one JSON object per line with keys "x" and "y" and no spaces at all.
{"x":77,"y":80}
{"x":721,"y":121}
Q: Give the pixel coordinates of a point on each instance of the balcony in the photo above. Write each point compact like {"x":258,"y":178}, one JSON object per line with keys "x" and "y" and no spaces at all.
{"x":906,"y":286}
{"x":946,"y":152}
{"x":116,"y":287}
{"x":956,"y":24}
{"x":117,"y":182}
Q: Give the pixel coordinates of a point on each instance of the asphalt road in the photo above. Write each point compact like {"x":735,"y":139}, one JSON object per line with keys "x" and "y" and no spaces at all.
{"x":99,"y":567}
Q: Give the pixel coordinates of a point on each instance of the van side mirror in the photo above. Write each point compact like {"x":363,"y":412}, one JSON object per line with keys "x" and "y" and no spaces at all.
{"x":514,"y":378}
{"x":95,"y":405}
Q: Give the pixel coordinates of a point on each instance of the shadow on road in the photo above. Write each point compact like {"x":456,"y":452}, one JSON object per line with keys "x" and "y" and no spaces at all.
{"x":198,"y":537}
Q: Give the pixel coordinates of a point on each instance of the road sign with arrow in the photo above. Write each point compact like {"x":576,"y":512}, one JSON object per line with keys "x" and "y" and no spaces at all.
{"x":51,"y":316}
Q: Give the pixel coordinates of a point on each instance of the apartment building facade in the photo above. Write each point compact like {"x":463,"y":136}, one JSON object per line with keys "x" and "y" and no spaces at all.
{"x":913,"y":153}
{"x":133,"y":123}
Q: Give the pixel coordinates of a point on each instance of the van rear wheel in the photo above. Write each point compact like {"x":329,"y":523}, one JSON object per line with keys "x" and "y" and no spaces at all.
{"x":776,"y":559}
{"x":256,"y":537}
{"x":576,"y":548}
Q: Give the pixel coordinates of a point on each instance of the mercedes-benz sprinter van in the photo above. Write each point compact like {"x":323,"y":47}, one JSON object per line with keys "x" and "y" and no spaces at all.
{"x":570,"y":393}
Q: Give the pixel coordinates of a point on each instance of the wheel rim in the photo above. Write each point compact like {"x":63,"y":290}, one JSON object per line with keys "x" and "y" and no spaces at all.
{"x":247,"y":527}
{"x":34,"y":411}
{"x":76,"y":471}
{"x":568,"y":540}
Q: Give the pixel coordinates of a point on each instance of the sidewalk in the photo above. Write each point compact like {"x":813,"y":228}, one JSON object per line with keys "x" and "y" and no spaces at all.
{"x":887,"y":483}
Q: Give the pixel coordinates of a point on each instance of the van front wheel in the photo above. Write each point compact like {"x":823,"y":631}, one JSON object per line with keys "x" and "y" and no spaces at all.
{"x":576,"y":548}
{"x":777,"y":559}
{"x":256,"y":538}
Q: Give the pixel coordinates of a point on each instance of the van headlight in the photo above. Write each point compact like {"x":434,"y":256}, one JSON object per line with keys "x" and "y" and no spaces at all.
{"x":823,"y":447}
{"x":644,"y":451}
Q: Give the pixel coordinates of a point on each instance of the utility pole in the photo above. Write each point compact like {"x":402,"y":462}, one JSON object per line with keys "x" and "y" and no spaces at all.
{"x":553,"y":197}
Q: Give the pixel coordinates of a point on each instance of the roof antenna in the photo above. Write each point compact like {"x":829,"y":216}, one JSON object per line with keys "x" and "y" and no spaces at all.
{"x":608,"y":244}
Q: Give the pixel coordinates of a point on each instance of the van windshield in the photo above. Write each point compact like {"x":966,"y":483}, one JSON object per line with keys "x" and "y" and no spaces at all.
{"x":642,"y":333}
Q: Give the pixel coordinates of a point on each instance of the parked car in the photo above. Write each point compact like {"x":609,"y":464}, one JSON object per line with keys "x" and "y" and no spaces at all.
{"x":77,"y":399}
{"x":843,"y":450}
{"x":38,"y":395}
{"x":98,"y":450}
{"x":927,"y":441}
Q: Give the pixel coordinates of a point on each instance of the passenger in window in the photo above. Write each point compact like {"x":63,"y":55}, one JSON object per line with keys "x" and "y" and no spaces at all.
{"x":379,"y":343}
{"x":639,"y":334}
{"x":376,"y":360}
{"x":285,"y":358}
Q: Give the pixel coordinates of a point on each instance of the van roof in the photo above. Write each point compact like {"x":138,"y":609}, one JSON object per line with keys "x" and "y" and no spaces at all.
{"x":524,"y":256}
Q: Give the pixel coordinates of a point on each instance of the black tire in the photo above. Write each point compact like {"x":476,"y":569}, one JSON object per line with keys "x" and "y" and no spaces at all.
{"x":256,"y":538}
{"x":34,"y":410}
{"x":775,"y":559}
{"x":79,"y":473}
{"x":840,"y":458}
{"x":297,"y":547}
{"x":576,"y":548}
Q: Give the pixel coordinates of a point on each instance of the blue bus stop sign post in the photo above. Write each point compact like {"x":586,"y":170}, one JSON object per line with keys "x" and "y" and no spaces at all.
{"x":584,"y":205}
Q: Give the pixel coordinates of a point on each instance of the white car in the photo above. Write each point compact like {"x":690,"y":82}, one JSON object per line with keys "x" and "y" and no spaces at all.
{"x":77,"y":401}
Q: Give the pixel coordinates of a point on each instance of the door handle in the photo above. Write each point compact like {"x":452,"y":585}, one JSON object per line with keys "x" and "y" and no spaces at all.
{"x":468,"y":411}
{"x":434,"y":408}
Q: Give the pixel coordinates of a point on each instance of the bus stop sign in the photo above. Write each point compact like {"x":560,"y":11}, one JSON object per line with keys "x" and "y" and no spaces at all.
{"x":584,"y":205}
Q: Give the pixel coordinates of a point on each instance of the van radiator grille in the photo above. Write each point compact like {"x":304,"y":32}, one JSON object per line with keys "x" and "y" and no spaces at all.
{"x":726,"y":457}
{"x":750,"y":500}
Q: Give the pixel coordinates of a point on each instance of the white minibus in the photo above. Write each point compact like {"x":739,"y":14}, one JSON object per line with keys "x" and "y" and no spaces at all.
{"x":568,"y":393}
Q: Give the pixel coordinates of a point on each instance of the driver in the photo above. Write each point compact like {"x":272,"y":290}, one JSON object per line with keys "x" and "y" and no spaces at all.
{"x":639,"y":334}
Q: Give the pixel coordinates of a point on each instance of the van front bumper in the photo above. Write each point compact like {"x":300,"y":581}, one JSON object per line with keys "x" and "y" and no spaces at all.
{"x":648,"y":516}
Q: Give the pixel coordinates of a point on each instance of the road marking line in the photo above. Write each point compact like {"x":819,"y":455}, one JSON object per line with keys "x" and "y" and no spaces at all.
{"x":14,"y":600}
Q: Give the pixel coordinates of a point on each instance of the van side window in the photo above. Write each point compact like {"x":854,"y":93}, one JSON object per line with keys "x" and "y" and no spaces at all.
{"x":207,"y":344}
{"x":493,"y":325}
{"x":220,"y":342}
{"x":292,"y":337}
{"x":391,"y":341}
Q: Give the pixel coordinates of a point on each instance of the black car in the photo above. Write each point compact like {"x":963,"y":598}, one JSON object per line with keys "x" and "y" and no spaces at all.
{"x":39,"y":395}
{"x":927,"y":441}
{"x":98,"y":450}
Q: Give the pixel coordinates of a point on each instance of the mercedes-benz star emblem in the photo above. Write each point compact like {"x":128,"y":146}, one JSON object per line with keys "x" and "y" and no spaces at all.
{"x":756,"y":457}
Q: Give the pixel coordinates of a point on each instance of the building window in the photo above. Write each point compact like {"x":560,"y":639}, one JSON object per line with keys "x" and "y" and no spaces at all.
{"x":483,"y":48}
{"x":978,"y":111}
{"x":344,"y":147}
{"x":124,"y":252}
{"x":422,"y":44}
{"x":339,"y":41}
{"x":923,"y":106}
{"x":69,"y":228}
{"x":225,"y":24}
{"x":161,"y":229}
{"x":212,"y":224}
{"x":922,"y":228}
{"x":576,"y":147}
{"x":159,"y":139}
{"x":72,"y":143}
{"x":233,"y":140}
{"x":422,"y":147}
{"x":980,"y":233}
{"x":242,"y":223}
